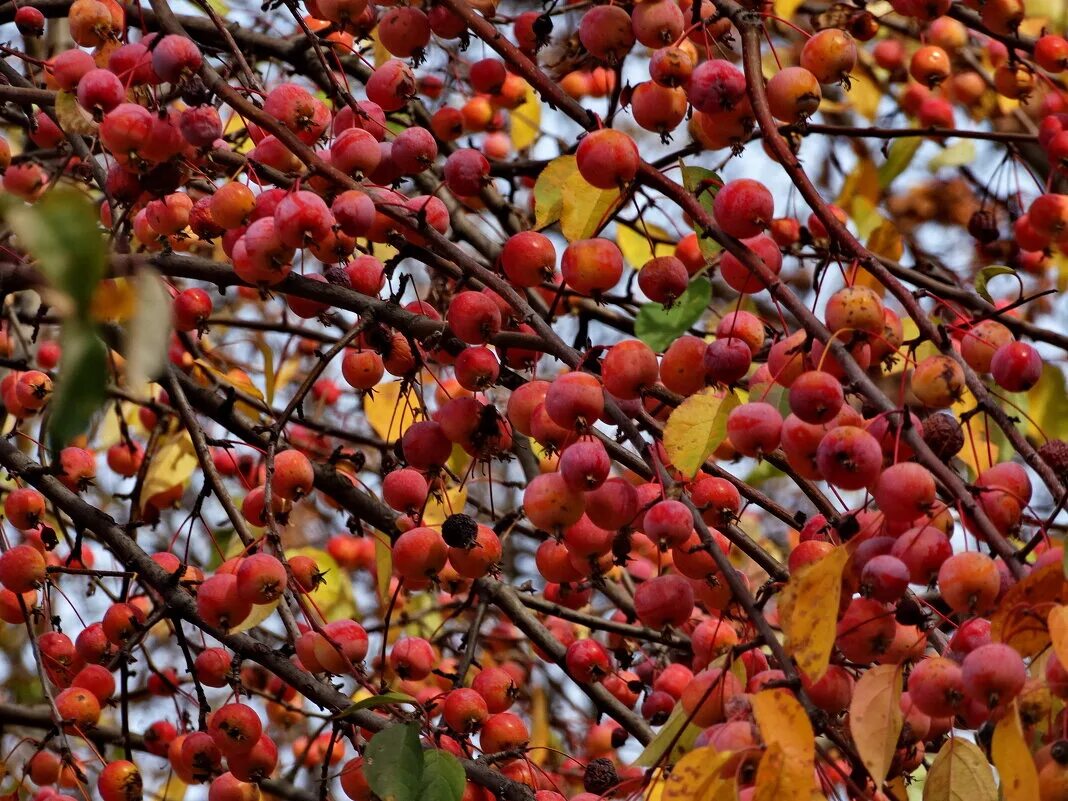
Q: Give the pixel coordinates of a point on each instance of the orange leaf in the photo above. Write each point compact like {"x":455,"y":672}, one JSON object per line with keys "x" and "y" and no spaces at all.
{"x":783,"y":720}
{"x":808,"y":611}
{"x":1058,"y":632}
{"x":1020,"y":619}
{"x":1012,"y":758}
{"x":780,"y":777}
{"x":786,"y":769}
{"x":875,"y":718}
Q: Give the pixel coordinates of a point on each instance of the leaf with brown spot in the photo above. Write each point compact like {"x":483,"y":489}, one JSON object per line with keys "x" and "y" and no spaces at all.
{"x":1020,"y":619}
{"x":782,"y":720}
{"x":780,"y":777}
{"x":808,"y":611}
{"x":698,"y":775}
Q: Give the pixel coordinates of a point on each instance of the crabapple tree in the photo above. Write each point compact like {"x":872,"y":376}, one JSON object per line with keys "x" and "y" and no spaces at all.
{"x":454,"y":400}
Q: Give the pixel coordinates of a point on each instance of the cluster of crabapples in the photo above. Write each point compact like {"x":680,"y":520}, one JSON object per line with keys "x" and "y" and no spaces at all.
{"x":184,"y":172}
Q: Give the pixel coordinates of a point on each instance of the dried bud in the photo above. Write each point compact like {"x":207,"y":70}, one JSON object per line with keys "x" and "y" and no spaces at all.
{"x":943,"y":435}
{"x":600,"y":776}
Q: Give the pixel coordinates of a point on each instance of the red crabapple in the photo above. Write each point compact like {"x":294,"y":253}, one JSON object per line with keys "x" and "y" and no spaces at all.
{"x":587,"y":661}
{"x":590,"y":266}
{"x":743,"y":208}
{"x":1016,"y":366}
{"x":607,"y":158}
{"x":664,"y":601}
{"x":830,"y":55}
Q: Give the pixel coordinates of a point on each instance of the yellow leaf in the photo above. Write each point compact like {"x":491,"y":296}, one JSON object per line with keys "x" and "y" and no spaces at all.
{"x":259,"y":613}
{"x":785,"y":9}
{"x":173,"y":789}
{"x":459,"y":460}
{"x":1058,"y":632}
{"x":1020,"y":619}
{"x":875,"y":718}
{"x":584,"y":208}
{"x":114,"y":299}
{"x":635,"y":245}
{"x":963,"y":152}
{"x":381,"y":55}
{"x":808,"y":611}
{"x":886,"y":241}
{"x":172,"y":464}
{"x":383,"y":566}
{"x":960,"y":772}
{"x":72,"y":117}
{"x":864,"y":92}
{"x":269,"y":380}
{"x":1047,"y":403}
{"x":333,"y":598}
{"x":549,"y":190}
{"x":383,"y":251}
{"x":239,"y":380}
{"x":697,"y":427}
{"x":109,"y":433}
{"x":979,"y":452}
{"x":862,"y":182}
{"x":525,"y":120}
{"x":655,"y":790}
{"x":388,"y":412}
{"x":236,"y":131}
{"x":698,"y":776}
{"x":540,"y":733}
{"x":780,"y":777}
{"x":451,"y":502}
{"x":149,"y":331}
{"x":289,"y":370}
{"x":1012,"y":758}
{"x":784,"y":722}
{"x":864,"y":215}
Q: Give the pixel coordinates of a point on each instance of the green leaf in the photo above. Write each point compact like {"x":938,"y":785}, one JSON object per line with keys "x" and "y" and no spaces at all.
{"x":443,"y":777}
{"x":775,"y":394}
{"x":658,"y":327}
{"x":61,"y":232}
{"x":963,"y":152}
{"x":704,"y":184}
{"x":898,"y":158}
{"x":149,"y":331}
{"x":984,"y":276}
{"x":393,"y":763}
{"x":82,"y":385}
{"x":675,"y":730}
{"x":385,"y":699}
